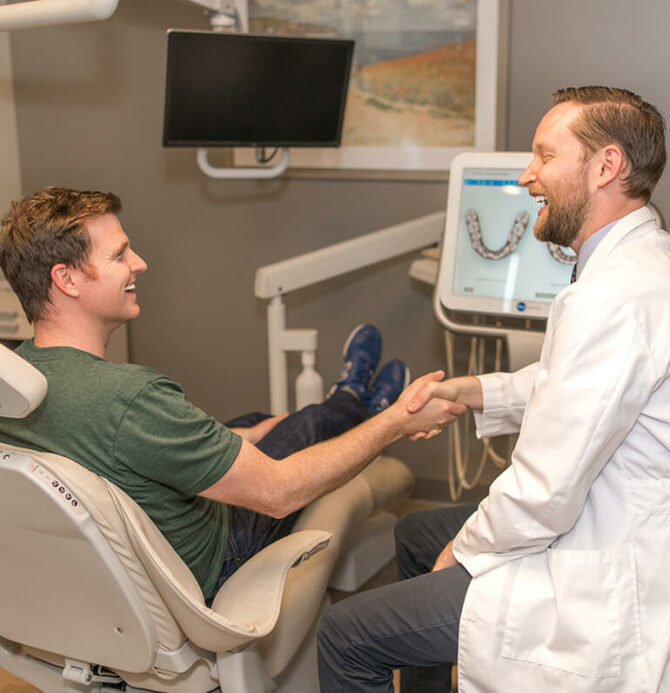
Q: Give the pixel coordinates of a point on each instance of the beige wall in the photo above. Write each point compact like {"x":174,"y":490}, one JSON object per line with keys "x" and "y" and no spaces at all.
{"x":10,"y":172}
{"x":13,"y":324}
{"x":576,"y":42}
{"x":89,"y":102}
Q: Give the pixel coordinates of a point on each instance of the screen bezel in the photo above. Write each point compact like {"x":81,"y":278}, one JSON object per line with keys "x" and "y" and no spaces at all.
{"x":347,"y":46}
{"x":446,"y":273}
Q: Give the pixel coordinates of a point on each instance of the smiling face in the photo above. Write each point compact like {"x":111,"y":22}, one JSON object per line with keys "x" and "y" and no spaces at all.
{"x":107,"y":283}
{"x":558,"y":177}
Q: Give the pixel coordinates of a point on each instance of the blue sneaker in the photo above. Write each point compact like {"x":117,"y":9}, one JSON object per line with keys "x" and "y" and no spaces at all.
{"x":393,"y":378}
{"x":361,"y":353}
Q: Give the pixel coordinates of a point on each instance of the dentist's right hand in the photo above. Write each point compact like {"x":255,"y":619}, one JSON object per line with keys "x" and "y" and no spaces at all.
{"x":466,"y":390}
{"x":432,"y":417}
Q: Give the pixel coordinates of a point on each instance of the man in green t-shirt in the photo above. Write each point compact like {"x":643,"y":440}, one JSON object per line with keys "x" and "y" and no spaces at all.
{"x":216,"y":492}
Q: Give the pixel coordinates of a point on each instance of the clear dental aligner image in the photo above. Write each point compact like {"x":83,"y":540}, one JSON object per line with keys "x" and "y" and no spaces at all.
{"x":474,"y":231}
{"x":518,"y":229}
{"x":559,"y":255}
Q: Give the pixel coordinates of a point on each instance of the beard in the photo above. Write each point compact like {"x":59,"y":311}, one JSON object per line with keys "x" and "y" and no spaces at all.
{"x":564,"y":216}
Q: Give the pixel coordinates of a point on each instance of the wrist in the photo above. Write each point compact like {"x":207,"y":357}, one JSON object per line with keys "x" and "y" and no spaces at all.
{"x":468,"y":391}
{"x":391,"y":420}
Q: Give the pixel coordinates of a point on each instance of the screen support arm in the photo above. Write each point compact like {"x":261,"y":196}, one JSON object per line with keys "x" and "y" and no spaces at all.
{"x":246,"y":173}
{"x":225,"y":15}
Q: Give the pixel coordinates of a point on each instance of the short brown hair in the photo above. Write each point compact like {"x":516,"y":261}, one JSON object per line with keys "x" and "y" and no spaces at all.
{"x":42,"y":230}
{"x":619,"y":116}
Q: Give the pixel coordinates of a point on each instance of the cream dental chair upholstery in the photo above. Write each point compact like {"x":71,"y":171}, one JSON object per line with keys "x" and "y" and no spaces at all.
{"x":93,"y":598}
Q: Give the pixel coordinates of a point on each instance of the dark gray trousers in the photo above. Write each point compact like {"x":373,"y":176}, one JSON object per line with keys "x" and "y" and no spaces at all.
{"x":411,"y":624}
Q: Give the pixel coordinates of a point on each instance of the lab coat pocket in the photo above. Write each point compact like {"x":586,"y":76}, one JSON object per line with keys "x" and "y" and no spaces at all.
{"x":564,"y":610}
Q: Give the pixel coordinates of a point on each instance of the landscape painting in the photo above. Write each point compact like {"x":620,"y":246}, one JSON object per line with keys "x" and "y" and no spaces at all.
{"x":412,"y":100}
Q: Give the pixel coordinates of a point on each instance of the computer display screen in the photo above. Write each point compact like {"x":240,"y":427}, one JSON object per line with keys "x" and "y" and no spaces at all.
{"x":245,"y":90}
{"x":491,"y":261}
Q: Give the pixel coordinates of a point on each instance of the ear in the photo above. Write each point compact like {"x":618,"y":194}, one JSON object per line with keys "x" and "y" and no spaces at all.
{"x":611,"y":163}
{"x":62,"y":277}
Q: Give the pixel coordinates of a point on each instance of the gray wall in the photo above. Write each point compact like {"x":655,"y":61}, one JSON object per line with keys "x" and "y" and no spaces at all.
{"x":576,"y":42}
{"x":89,"y":102}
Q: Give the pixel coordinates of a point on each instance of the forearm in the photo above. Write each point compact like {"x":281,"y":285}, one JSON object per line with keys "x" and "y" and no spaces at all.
{"x":279,"y":487}
{"x":333,"y":462}
{"x":321,"y":468}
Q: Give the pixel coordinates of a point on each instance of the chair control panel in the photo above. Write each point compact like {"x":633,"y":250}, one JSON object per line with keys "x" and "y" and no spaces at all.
{"x":43,"y":476}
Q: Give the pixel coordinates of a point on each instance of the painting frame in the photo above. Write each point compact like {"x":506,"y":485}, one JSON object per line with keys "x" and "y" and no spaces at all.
{"x":410,"y":160}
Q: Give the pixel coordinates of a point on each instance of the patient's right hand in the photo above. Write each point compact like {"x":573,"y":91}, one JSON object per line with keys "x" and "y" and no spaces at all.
{"x":454,"y":409}
{"x":435,"y":412}
{"x":465,"y":390}
{"x":446,"y":389}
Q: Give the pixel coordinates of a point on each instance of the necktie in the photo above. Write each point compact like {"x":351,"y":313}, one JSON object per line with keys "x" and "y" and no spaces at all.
{"x":573,"y":278}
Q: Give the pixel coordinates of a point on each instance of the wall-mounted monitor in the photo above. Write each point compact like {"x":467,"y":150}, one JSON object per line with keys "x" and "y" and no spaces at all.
{"x":237,"y":90}
{"x":491,"y":261}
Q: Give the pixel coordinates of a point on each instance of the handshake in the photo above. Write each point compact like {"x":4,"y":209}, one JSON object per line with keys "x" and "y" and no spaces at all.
{"x":429,"y":404}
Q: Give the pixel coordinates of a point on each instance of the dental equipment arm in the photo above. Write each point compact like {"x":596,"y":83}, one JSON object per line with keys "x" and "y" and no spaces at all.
{"x":276,"y":280}
{"x":24,"y":15}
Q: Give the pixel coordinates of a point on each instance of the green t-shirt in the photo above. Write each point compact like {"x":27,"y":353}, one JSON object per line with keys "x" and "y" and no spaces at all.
{"x":135,"y":427}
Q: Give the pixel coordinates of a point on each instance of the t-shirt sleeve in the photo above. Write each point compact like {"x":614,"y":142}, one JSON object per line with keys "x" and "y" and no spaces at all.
{"x":168,"y":439}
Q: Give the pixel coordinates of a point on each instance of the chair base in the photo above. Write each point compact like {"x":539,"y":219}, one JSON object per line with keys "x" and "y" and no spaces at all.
{"x":368,"y":549}
{"x":45,"y":676}
{"x":302,"y":674}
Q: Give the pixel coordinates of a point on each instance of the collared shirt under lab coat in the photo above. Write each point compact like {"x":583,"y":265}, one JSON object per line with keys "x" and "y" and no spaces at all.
{"x":570,"y":552}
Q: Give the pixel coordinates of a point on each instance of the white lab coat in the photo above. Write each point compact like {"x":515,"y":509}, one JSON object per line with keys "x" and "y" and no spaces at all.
{"x":570,"y":552}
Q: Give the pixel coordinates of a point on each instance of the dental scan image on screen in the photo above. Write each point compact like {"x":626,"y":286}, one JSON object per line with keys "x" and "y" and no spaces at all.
{"x":497,"y":265}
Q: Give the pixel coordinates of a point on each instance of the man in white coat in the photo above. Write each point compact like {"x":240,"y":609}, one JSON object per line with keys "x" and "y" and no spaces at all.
{"x":558,"y":581}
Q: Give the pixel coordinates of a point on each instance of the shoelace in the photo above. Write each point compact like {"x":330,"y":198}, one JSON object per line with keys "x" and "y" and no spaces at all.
{"x":362,"y":373}
{"x":381,"y":405}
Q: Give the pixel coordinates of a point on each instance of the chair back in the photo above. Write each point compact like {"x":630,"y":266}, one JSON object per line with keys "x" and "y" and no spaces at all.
{"x":63,"y":588}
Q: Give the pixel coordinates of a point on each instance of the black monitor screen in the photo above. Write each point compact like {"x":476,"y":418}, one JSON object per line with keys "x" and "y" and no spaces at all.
{"x":244,"y":90}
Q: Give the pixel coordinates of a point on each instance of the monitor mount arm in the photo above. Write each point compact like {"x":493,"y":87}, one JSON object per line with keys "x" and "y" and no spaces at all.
{"x":249,"y":172}
{"x":225,"y":15}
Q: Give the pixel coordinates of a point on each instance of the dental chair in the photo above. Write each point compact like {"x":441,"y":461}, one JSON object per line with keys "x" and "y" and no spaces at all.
{"x":93,"y":598}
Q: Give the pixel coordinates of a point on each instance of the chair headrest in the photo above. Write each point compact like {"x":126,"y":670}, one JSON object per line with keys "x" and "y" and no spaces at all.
{"x":22,"y":386}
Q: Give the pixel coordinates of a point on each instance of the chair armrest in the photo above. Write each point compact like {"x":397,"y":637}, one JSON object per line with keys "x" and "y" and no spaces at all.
{"x":246,"y":607}
{"x":252,"y":594}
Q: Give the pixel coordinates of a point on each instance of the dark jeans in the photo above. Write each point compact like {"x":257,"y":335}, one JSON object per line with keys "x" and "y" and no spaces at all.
{"x":249,"y":531}
{"x":412,"y":622}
